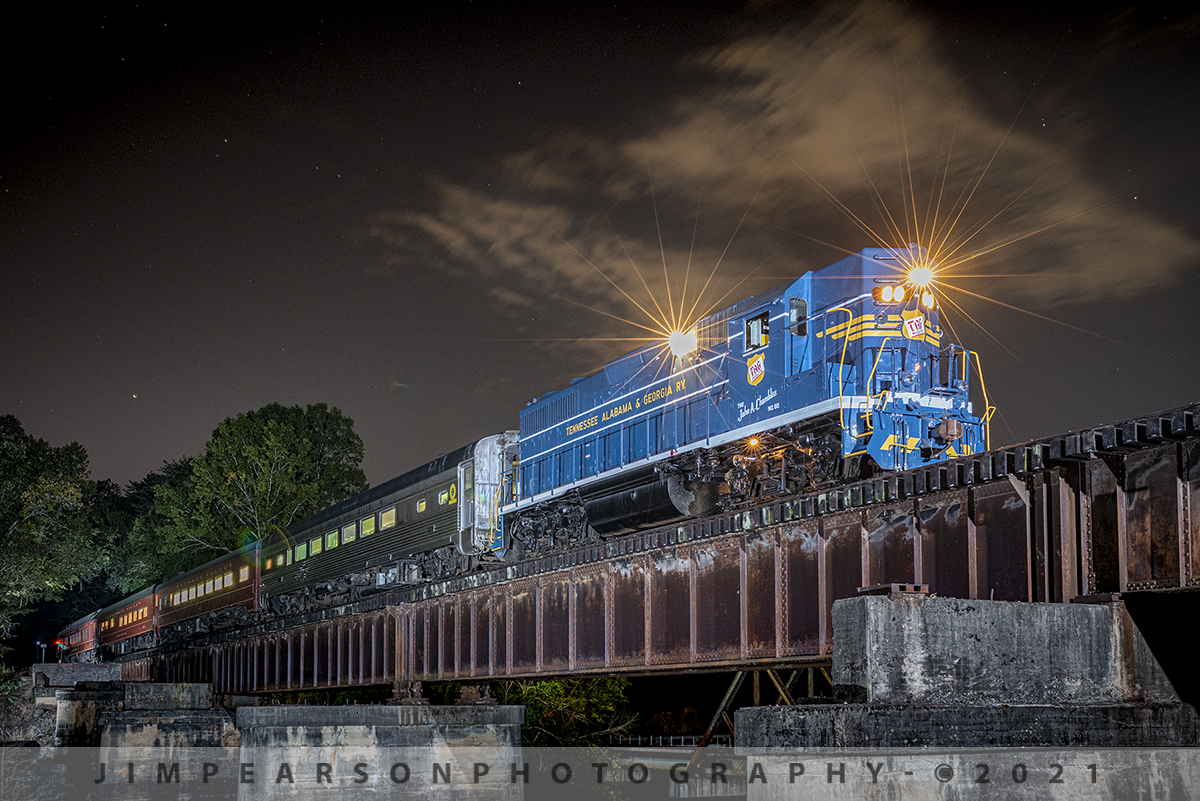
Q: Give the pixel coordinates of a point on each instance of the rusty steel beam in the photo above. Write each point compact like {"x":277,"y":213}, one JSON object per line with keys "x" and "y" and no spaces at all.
{"x":1104,"y":510}
{"x":745,"y":598}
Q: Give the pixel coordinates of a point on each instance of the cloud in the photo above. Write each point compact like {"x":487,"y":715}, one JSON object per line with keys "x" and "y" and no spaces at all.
{"x":857,"y":102}
{"x":788,"y":138}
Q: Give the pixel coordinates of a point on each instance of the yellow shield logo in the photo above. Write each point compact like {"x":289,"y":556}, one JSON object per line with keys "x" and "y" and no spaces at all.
{"x":756,"y":368}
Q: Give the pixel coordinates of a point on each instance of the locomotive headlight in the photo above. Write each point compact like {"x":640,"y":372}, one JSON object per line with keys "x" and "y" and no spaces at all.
{"x":927,"y":300}
{"x":920,"y":277}
{"x":898,"y":295}
{"x":682,"y":344}
{"x":887,"y":294}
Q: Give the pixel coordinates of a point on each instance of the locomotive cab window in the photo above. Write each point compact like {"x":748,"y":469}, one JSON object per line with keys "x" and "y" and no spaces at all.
{"x":798,"y":317}
{"x":757,"y":331}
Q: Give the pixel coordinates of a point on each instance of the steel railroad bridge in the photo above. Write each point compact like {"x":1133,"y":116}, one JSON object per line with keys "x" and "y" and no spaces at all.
{"x":1112,"y":509}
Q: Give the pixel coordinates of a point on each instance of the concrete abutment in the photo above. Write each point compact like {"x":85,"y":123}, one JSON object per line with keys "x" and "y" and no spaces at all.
{"x":945,"y":690}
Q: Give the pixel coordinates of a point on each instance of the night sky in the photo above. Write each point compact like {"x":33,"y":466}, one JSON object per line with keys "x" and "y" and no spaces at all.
{"x":407,"y":214}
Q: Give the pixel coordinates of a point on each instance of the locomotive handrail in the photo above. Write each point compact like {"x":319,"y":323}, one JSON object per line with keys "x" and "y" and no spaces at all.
{"x":988,"y":409}
{"x":842,"y":363}
{"x":870,"y":382}
{"x":505,"y":477}
{"x":865,"y":408}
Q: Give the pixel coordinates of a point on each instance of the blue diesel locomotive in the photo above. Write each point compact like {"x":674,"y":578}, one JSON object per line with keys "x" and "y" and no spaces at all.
{"x":830,"y":377}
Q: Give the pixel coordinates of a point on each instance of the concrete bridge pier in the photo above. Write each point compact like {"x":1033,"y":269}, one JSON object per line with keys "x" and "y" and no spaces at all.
{"x":135,"y":740}
{"x":167,"y":717}
{"x":403,"y":748}
{"x":945,"y":689}
{"x":77,"y":722}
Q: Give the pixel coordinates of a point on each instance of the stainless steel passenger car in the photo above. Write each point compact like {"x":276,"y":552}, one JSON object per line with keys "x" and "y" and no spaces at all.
{"x":424,"y":524}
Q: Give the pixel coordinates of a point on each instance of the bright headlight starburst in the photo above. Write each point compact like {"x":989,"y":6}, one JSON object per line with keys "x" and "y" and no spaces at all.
{"x":920,"y":277}
{"x":683,"y":343}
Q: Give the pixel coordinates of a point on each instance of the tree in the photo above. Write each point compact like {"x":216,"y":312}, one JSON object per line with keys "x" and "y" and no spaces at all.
{"x":570,"y":712}
{"x":261,"y":471}
{"x":136,"y":521}
{"x":47,"y":540}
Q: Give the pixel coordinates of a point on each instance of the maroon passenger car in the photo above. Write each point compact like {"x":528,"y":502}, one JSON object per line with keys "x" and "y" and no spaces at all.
{"x":127,"y":620}
{"x":78,"y":642}
{"x":228,"y":582}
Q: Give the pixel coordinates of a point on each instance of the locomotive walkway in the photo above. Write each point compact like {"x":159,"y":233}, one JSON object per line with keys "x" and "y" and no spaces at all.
{"x":1111,"y":509}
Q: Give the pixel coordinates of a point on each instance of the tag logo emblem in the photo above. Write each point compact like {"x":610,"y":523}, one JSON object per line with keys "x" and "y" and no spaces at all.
{"x":914,"y":325}
{"x":756,"y":368}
